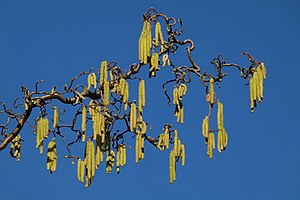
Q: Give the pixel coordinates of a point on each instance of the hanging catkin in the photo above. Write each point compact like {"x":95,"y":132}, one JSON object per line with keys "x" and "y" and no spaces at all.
{"x":103,"y":73}
{"x":142,"y":100}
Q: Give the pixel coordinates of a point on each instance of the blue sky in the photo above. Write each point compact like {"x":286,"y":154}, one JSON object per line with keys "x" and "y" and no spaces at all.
{"x":56,"y":40}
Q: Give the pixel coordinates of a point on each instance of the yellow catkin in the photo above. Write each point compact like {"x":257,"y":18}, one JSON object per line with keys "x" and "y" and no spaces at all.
{"x":38,"y":132}
{"x":106,"y":93}
{"x":257,"y":85}
{"x":142,"y":147}
{"x":92,"y":81}
{"x":261,"y":82}
{"x":55,"y":117}
{"x":118,"y":160}
{"x":46,"y":127}
{"x":182,"y":114}
{"x":141,"y":44}
{"x":110,"y":160}
{"x":92,"y":109}
{"x":157,"y":30}
{"x":132,"y":117}
{"x":15,"y":147}
{"x":177,"y":112}
{"x":79,"y":170}
{"x":205,"y":127}
{"x":182,"y":154}
{"x":178,"y":148}
{"x":211,"y":91}
{"x":166,"y":137}
{"x":254,"y":87}
{"x":159,"y":143}
{"x":83,"y":123}
{"x":124,"y":156}
{"x":90,"y":161}
{"x":103,"y":73}
{"x":82,"y":171}
{"x":220,"y":117}
{"x":126,"y":96}
{"x":220,"y":141}
{"x":51,"y":156}
{"x":154,"y":64}
{"x":263,"y":68}
{"x":99,"y":153}
{"x":210,"y":144}
{"x":175,"y":96}
{"x":145,"y":43}
{"x":137,"y":148}
{"x":224,"y":138}
{"x":148,"y":38}
{"x":96,"y":125}
{"x":121,"y":87}
{"x":251,"y":90}
{"x":175,"y":142}
{"x":174,"y":166}
{"x":171,"y":166}
{"x":93,"y":163}
{"x":162,"y":41}
{"x":89,"y":82}
{"x":141,"y":95}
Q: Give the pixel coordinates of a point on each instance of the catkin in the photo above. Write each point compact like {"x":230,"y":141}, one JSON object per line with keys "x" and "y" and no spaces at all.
{"x":181,"y":113}
{"x":254,"y":88}
{"x":42,"y":132}
{"x":92,"y":109}
{"x":175,"y":142}
{"x":121,"y":87}
{"x":141,"y":95}
{"x":106,"y":93}
{"x":220,"y":117}
{"x":103,"y":73}
{"x":263,"y":68}
{"x":175,"y":96}
{"x":166,"y":137}
{"x":15,"y":147}
{"x":46,"y":127}
{"x":89,"y":162}
{"x":211,"y":91}
{"x":205,"y":127}
{"x":123,"y":155}
{"x":145,"y":43}
{"x":137,"y":148}
{"x":80,"y":170}
{"x":154,"y":64}
{"x":126,"y":96}
{"x":257,"y":86}
{"x":132,"y":117}
{"x":182,"y":89}
{"x":251,"y":89}
{"x":162,"y":41}
{"x":157,"y":32}
{"x":51,"y":156}
{"x":110,"y":161}
{"x":92,"y":81}
{"x":172,"y":166}
{"x":261,"y":82}
{"x":99,"y":153}
{"x":118,"y":160}
{"x":182,"y":155}
{"x":55,"y":117}
{"x":83,"y":123}
{"x":210,"y":144}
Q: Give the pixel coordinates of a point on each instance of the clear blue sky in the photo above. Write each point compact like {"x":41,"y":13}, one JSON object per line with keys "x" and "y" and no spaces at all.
{"x":55,"y":40}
